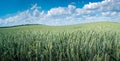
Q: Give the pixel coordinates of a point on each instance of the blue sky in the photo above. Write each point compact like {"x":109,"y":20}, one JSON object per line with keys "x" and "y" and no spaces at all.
{"x":58,"y":12}
{"x":13,"y":6}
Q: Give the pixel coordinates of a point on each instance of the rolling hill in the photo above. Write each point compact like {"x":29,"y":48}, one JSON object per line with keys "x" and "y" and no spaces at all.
{"x":114,"y":26}
{"x":98,"y":41}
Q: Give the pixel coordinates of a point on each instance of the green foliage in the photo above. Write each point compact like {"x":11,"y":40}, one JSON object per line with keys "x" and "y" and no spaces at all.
{"x":85,"y":42}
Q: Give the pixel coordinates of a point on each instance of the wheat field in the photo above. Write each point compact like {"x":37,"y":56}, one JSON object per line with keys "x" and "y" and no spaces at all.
{"x":83,"y":42}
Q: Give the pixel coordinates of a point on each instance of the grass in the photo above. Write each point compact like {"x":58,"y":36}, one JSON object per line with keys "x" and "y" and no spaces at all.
{"x":98,"y":41}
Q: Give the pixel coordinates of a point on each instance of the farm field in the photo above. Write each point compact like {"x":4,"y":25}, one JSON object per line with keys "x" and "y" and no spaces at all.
{"x":98,"y":41}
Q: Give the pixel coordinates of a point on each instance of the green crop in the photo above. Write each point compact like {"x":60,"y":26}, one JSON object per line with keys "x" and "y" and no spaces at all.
{"x":61,"y":43}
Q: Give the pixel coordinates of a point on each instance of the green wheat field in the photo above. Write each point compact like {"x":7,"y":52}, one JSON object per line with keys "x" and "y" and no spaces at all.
{"x":98,"y":41}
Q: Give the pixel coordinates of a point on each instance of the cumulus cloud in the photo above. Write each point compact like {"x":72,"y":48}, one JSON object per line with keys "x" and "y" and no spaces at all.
{"x":107,"y":10}
{"x":106,"y":5}
{"x":62,"y":10}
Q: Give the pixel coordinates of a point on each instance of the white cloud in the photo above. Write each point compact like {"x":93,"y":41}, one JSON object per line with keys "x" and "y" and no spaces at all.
{"x":57,"y":11}
{"x":0,"y":21}
{"x":107,"y":10}
{"x":110,"y":13}
{"x":106,"y":5}
{"x":61,"y":11}
{"x":34,"y":7}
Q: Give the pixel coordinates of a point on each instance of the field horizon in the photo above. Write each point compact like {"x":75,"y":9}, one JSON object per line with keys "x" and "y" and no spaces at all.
{"x":84,"y":26}
{"x":57,"y":25}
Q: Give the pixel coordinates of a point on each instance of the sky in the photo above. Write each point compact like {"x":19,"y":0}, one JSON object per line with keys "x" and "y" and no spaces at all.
{"x":58,"y":12}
